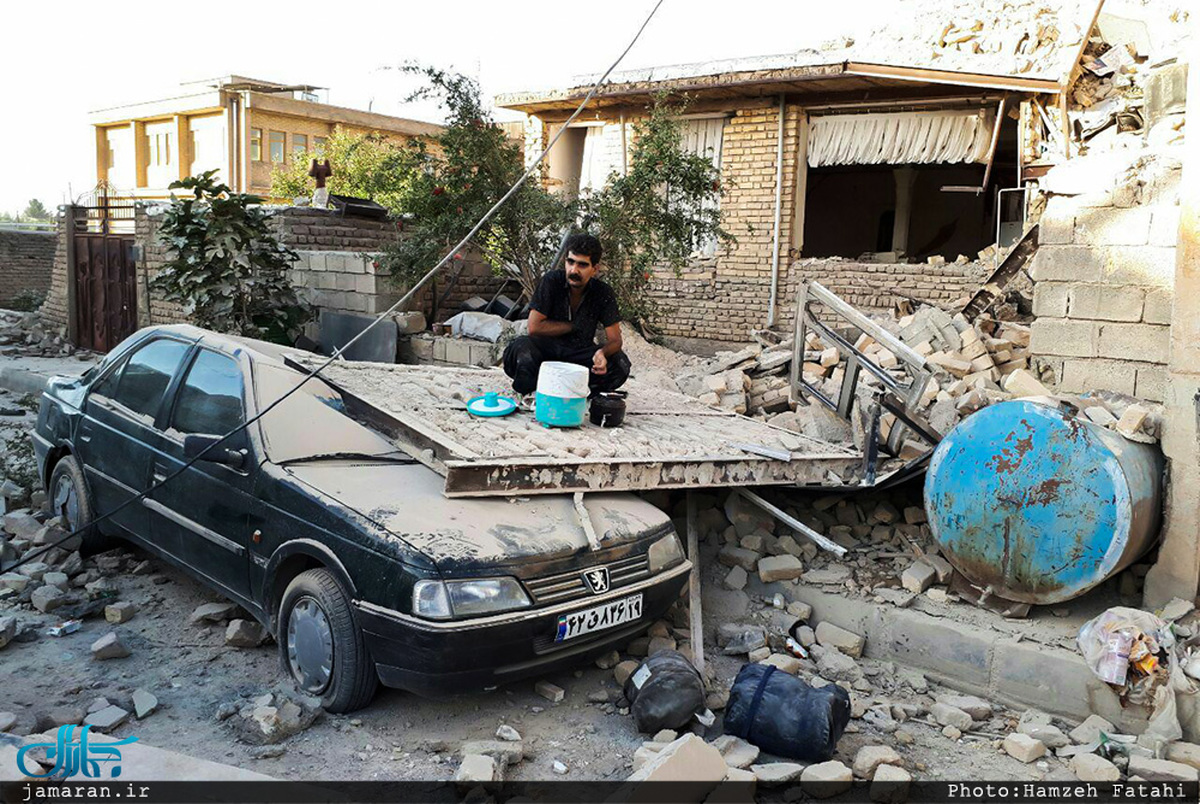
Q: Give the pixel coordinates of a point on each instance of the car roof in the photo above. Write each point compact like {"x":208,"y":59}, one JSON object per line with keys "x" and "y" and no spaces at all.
{"x":260,"y":350}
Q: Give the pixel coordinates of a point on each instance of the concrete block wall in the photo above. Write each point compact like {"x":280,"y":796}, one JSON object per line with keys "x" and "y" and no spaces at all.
{"x":1104,"y":274}
{"x":449,"y":351}
{"x":26,"y":261}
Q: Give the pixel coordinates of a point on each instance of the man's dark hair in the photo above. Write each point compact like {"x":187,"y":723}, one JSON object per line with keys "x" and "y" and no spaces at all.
{"x":585,"y":245}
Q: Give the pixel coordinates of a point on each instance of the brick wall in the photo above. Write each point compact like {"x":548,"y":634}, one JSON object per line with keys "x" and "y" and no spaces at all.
{"x":26,"y":260}
{"x":1105,"y":273}
{"x":337,"y":269}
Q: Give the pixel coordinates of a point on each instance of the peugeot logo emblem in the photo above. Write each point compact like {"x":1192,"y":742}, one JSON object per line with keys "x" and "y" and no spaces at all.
{"x":597,"y":580}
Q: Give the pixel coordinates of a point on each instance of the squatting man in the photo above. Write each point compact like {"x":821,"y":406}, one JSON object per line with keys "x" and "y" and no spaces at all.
{"x":566,"y":307}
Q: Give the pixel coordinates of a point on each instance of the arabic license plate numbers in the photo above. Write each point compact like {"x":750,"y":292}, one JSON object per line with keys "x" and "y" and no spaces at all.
{"x":618,"y":612}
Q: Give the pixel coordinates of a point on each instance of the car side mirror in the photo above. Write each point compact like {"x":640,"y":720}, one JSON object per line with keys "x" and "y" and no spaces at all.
{"x":195,"y":446}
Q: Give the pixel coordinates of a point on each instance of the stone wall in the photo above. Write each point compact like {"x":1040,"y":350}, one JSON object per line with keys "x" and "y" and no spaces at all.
{"x":1105,"y":273}
{"x":26,"y":261}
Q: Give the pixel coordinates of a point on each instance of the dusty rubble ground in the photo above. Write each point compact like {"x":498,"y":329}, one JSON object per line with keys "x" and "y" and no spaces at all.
{"x":200,"y":681}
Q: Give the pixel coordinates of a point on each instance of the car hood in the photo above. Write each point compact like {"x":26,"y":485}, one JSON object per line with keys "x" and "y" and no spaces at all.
{"x":469,"y":534}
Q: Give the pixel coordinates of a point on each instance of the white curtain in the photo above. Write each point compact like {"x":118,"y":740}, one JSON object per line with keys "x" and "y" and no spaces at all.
{"x":900,"y":138}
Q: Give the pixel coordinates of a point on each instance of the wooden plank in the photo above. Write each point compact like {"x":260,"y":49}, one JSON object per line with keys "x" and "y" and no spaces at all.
{"x":695,"y":619}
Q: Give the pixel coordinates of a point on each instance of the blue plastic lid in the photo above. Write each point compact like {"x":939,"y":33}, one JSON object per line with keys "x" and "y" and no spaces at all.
{"x":491,"y":404}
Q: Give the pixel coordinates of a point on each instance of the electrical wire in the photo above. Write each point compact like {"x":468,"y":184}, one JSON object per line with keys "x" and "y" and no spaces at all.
{"x":338,"y":352}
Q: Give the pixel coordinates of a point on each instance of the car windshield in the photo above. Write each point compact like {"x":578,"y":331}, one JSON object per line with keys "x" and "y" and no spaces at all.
{"x":312,"y":423}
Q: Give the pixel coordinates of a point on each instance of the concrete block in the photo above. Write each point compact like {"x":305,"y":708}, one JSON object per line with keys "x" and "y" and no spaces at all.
{"x":779,"y":568}
{"x":848,"y":642}
{"x":315,"y":260}
{"x":477,"y":769}
{"x":1147,"y":343}
{"x":1058,"y":222}
{"x":1145,"y":266}
{"x":1106,"y":303}
{"x":1093,"y":768}
{"x":1078,"y":376}
{"x":1157,"y":309}
{"x":481,"y":354}
{"x":1050,"y":299}
{"x":1184,"y":753}
{"x":1047,"y":678}
{"x":1162,"y":770}
{"x":1089,"y":730}
{"x":1068,"y":264}
{"x":1022,"y":383}
{"x":890,"y":784}
{"x":1060,"y":336}
{"x":1113,"y":227}
{"x":826,"y":779}
{"x":1164,"y":226}
{"x":943,"y":649}
{"x":688,"y":759}
{"x":918,"y":577}
{"x":947,"y":715}
{"x":870,"y":757}
{"x":1024,"y":748}
{"x":1151,"y":383}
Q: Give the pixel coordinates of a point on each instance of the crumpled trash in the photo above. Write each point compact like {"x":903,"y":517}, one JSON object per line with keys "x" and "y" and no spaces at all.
{"x":1137,"y":654}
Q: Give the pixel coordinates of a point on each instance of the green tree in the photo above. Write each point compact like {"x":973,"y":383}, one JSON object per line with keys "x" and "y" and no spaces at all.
{"x":227,"y":269}
{"x":453,"y":184}
{"x":659,"y":214}
{"x":364,"y":166}
{"x":36,"y":210}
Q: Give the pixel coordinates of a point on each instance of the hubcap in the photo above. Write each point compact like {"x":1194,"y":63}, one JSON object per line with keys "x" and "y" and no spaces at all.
{"x":66,"y":502}
{"x":310,"y":646}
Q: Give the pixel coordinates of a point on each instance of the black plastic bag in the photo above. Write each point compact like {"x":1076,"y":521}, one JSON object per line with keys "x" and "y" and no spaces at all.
{"x":783,"y":715}
{"x":664,"y":692}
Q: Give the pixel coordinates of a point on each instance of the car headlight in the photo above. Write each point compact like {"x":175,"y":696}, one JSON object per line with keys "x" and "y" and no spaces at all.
{"x":440,"y":600}
{"x":666,"y":552}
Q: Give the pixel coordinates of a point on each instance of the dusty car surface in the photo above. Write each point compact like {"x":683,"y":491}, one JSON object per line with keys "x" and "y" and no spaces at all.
{"x":328,"y":534}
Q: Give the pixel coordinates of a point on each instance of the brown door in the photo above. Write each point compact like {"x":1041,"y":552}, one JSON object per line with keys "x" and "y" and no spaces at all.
{"x":105,"y":290}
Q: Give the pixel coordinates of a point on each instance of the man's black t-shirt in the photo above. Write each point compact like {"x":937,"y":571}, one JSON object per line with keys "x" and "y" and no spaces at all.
{"x":599,"y":305}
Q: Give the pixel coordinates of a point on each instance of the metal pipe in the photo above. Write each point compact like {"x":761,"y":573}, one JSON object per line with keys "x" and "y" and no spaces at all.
{"x":778,"y":216}
{"x":793,"y":523}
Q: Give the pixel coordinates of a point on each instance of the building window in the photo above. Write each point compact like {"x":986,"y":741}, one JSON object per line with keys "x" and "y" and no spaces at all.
{"x":161,"y":167}
{"x":256,"y":145}
{"x":319,"y":146}
{"x":299,"y":144}
{"x":278,"y":145}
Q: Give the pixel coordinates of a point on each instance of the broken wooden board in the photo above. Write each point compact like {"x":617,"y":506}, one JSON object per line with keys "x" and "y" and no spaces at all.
{"x":668,"y":440}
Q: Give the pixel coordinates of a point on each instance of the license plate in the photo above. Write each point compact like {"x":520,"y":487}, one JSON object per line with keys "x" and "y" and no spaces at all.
{"x":618,"y":612}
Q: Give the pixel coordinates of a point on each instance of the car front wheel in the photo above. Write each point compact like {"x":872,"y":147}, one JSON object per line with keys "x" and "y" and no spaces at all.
{"x":68,"y":498}
{"x":320,"y":644}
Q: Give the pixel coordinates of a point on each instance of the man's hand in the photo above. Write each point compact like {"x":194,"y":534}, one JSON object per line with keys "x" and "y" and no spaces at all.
{"x":599,"y":363}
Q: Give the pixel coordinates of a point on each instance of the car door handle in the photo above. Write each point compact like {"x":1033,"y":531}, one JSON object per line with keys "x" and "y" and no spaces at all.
{"x":85,"y":433}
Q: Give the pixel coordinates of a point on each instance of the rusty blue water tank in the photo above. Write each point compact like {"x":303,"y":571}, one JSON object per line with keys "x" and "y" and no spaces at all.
{"x":1041,"y":506}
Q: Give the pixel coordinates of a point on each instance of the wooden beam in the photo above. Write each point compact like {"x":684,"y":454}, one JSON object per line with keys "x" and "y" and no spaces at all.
{"x":951,"y":77}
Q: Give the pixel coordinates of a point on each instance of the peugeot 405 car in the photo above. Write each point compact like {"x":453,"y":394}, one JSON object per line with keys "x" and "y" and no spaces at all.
{"x":337,"y":541}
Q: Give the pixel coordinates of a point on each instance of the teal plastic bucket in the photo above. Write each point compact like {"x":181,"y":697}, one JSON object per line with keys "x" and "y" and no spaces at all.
{"x":562,"y":391}
{"x":558,"y":411}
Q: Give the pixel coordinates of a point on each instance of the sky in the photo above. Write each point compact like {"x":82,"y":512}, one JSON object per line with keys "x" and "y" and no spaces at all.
{"x":62,"y":60}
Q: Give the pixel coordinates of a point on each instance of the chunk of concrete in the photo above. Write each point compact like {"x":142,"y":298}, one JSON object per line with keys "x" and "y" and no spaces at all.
{"x":1162,"y":770}
{"x":1022,"y":383}
{"x":732,"y":556}
{"x":977,"y":708}
{"x":551,"y":692}
{"x":144,"y":703}
{"x":736,"y":579}
{"x":1093,"y":768}
{"x":109,"y":646}
{"x":688,"y":759}
{"x":737,"y":752}
{"x":1184,"y":753}
{"x":837,"y":666}
{"x":245,"y":634}
{"x":107,"y":718}
{"x":477,"y":769}
{"x":214,"y":612}
{"x":848,"y":642}
{"x":508,"y":733}
{"x":1052,"y":736}
{"x":505,"y":752}
{"x":14,"y":581}
{"x":783,"y":661}
{"x":120,"y":612}
{"x":870,"y":757}
{"x":826,"y":779}
{"x":779,"y":568}
{"x":624,"y":670}
{"x":889,"y":785}
{"x":1024,"y":748}
{"x":773,"y":774}
{"x":947,"y":715}
{"x":8,"y":630}
{"x":1089,"y":730}
{"x":918,"y":577}
{"x":58,"y":579}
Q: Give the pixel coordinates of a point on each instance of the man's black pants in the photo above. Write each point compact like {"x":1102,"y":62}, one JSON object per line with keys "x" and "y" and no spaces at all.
{"x":525,"y":355}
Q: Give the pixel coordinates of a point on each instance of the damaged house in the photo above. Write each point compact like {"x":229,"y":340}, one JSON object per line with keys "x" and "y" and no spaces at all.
{"x":888,"y":168}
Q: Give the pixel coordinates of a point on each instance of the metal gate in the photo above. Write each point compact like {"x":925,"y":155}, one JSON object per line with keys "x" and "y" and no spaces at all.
{"x":105,"y":279}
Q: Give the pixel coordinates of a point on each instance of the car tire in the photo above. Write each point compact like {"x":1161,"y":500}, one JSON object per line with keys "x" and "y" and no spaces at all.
{"x":68,"y":496}
{"x":321,"y":646}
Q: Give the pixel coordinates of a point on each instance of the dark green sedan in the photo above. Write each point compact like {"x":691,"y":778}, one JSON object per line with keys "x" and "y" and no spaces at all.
{"x":332,"y":537}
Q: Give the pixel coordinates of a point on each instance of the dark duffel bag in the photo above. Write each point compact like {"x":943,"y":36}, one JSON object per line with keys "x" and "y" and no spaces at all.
{"x":783,"y":715}
{"x":664,"y":692}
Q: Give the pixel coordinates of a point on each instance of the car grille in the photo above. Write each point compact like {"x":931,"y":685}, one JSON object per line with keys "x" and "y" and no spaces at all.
{"x":568,"y":586}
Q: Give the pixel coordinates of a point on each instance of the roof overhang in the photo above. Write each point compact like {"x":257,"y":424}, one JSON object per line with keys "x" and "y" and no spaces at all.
{"x":822,"y":83}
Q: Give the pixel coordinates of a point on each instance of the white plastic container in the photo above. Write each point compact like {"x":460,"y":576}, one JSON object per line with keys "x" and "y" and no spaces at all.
{"x":562,"y":391}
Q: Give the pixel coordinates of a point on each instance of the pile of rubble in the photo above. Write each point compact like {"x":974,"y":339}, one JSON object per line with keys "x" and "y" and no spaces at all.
{"x":24,"y":334}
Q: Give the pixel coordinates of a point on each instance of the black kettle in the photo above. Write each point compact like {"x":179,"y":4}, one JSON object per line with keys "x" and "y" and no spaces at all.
{"x":608,"y":408}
